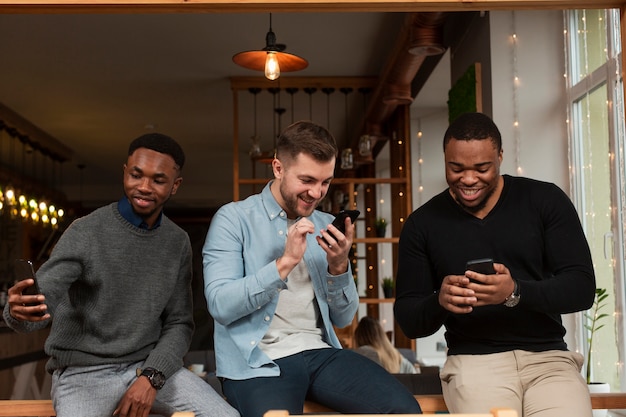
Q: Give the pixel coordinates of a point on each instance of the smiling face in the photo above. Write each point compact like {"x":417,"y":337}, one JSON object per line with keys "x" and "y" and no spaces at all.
{"x":301,"y":183}
{"x":150,"y":179}
{"x":473,"y":174}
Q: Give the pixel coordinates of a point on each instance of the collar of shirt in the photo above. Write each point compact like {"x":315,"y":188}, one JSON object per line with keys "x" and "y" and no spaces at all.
{"x":126,"y":210}
{"x":272,"y":208}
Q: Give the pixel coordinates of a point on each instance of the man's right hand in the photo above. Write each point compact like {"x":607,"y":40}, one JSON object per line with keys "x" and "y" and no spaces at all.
{"x":454,"y":295}
{"x":18,"y":303}
{"x":295,"y":246}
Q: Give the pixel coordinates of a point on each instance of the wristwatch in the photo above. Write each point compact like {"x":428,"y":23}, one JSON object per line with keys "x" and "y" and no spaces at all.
{"x":513,"y":299}
{"x":156,"y":378}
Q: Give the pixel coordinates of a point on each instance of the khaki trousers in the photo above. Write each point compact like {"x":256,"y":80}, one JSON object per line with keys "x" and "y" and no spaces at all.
{"x":536,"y":384}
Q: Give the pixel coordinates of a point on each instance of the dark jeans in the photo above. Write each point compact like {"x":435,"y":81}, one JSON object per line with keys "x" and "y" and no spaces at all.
{"x":339,"y":379}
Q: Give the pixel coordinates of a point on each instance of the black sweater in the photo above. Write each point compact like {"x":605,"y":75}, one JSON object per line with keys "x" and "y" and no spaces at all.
{"x":534,"y":231}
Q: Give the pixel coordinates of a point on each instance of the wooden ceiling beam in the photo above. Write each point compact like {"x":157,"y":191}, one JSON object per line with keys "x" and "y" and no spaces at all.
{"x":217,"y":6}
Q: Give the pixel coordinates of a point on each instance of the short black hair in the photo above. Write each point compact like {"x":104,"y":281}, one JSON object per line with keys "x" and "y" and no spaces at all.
{"x":473,"y":126}
{"x":160,"y":143}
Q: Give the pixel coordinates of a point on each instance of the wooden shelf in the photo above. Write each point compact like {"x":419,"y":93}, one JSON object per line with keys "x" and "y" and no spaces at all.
{"x":365,"y":300}
{"x":376,"y":240}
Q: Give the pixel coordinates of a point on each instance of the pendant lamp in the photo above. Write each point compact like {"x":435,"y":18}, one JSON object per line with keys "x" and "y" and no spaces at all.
{"x":271,"y":59}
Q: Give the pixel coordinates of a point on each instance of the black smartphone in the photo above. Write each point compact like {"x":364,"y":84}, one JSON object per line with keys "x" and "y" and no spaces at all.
{"x":482,"y":266}
{"x":24,"y":269}
{"x":340,"y":219}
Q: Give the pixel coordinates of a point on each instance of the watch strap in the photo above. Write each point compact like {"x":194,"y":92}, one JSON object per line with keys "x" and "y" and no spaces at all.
{"x":513,"y":299}
{"x":156,"y":378}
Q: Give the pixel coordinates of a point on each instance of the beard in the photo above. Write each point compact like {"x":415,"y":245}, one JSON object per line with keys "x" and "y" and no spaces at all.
{"x":292,"y":206}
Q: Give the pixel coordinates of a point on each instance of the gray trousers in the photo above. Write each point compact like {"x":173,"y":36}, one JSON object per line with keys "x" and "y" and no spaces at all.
{"x":95,"y":391}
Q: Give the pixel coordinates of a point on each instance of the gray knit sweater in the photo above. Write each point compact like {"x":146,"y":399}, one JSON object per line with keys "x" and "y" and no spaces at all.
{"x":117,"y":294}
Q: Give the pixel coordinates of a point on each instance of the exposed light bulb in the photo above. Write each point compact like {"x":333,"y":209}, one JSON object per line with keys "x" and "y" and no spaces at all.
{"x":272,"y":70}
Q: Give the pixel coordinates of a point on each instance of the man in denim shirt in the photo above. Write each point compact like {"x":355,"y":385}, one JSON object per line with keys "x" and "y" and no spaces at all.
{"x":277,"y":281}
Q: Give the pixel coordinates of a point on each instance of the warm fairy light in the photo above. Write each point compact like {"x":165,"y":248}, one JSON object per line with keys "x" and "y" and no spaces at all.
{"x":29,"y":207}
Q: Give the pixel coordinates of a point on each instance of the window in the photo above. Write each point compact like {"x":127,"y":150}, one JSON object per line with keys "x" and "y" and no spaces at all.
{"x":597,"y":169}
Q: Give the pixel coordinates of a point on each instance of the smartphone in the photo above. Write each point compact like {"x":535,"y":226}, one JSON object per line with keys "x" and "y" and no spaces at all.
{"x":340,"y":219}
{"x":482,"y":266}
{"x":24,"y":269}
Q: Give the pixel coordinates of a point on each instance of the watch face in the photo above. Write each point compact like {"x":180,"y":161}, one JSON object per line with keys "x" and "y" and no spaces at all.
{"x":512,"y":301}
{"x":157,"y":380}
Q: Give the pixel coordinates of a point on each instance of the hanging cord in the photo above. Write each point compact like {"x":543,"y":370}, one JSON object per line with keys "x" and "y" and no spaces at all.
{"x":292,"y":91}
{"x":346,"y":91}
{"x":328,"y":91}
{"x":310,"y":91}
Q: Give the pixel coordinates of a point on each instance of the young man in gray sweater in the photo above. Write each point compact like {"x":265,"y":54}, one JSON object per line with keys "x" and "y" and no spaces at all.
{"x":117,"y":292}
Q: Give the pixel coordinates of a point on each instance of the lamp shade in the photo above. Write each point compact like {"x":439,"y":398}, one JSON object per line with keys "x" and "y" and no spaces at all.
{"x":271,"y":59}
{"x":255,"y":60}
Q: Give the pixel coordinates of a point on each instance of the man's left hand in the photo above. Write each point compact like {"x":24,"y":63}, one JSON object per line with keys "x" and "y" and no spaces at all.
{"x":138,"y":399}
{"x":337,"y":247}
{"x":491,"y":289}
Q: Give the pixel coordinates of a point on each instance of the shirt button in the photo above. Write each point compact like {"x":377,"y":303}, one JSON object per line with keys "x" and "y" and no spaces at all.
{"x":267,"y":318}
{"x":280,"y":232}
{"x":282,"y":214}
{"x":258,"y":308}
{"x":252,"y":343}
{"x":330,"y":282}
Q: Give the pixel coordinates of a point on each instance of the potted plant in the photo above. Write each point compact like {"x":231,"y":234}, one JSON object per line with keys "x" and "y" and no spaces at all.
{"x":593,"y":317}
{"x":381,"y":227}
{"x":387,"y":283}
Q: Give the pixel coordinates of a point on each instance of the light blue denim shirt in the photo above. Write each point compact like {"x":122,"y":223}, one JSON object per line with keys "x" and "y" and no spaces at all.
{"x":241,"y":282}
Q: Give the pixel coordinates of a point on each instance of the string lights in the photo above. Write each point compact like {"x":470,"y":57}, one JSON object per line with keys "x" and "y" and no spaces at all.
{"x":420,"y":161}
{"x":21,"y":198}
{"x":516,"y":84}
{"x":587,"y":49}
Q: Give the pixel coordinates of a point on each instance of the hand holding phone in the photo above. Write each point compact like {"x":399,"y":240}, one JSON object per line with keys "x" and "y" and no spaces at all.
{"x":24,"y":270}
{"x":482,"y":266}
{"x":340,"y":220}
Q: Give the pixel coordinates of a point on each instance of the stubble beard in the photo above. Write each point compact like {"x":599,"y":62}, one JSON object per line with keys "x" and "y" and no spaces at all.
{"x":291,"y":204}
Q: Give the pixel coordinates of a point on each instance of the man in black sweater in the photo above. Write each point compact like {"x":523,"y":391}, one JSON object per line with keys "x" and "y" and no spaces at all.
{"x":503,"y":328}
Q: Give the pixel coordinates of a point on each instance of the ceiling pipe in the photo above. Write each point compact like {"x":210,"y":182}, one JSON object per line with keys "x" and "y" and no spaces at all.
{"x":421,"y":35}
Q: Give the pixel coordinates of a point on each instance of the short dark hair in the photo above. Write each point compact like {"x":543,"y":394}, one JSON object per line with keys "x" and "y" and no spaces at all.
{"x":308,"y":138}
{"x":160,"y":143}
{"x":473,"y":126}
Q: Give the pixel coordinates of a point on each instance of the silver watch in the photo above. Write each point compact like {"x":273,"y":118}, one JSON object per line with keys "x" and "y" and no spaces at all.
{"x":513,"y":299}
